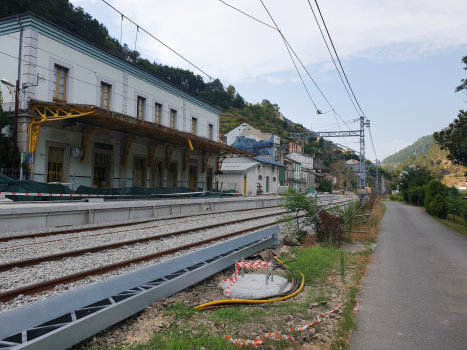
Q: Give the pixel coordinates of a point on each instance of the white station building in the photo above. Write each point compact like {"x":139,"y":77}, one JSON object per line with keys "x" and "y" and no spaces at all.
{"x":97,"y":120}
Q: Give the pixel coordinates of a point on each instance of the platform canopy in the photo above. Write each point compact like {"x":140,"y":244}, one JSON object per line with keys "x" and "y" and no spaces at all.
{"x":96,"y":118}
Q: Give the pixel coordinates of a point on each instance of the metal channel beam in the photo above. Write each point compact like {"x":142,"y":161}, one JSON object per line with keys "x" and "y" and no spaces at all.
{"x":73,"y":326}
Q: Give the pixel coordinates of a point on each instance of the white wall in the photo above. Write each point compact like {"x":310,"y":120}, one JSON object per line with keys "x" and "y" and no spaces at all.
{"x":306,"y":161}
{"x":85,"y":76}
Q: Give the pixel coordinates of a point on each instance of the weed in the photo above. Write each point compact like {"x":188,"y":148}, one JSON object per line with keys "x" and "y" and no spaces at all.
{"x":316,"y":263}
{"x":458,"y":227}
{"x":180,"y":310}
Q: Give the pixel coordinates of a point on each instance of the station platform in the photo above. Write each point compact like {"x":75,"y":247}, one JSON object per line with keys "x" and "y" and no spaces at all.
{"x":19,"y":216}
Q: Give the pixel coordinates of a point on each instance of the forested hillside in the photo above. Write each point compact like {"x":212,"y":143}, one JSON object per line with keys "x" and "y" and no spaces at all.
{"x":421,"y":146}
{"x":435,"y":160}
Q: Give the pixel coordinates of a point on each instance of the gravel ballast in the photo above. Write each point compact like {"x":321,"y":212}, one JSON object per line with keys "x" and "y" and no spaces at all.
{"x":46,"y":271}
{"x":30,"y":248}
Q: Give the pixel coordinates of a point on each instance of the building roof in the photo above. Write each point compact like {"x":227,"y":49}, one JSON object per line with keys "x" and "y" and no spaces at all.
{"x":352,"y":161}
{"x":237,"y":168}
{"x":268,"y":161}
{"x":100,"y":118}
{"x":291,"y":160}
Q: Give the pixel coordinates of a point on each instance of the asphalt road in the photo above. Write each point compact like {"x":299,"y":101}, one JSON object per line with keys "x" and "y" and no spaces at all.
{"x":415,"y":293}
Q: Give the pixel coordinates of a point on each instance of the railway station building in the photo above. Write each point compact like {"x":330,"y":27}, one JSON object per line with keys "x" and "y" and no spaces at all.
{"x":91,"y":118}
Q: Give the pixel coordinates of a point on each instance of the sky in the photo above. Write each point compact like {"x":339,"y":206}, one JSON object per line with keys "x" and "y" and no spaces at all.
{"x":402,"y":58}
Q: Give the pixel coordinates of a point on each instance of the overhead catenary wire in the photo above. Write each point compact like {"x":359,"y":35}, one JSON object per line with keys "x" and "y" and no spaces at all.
{"x":286,"y":44}
{"x":342,"y":68}
{"x":287,"y":47}
{"x":303,"y":66}
{"x":152,"y":36}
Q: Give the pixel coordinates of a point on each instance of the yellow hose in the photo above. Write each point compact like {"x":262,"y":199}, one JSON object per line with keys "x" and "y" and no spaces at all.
{"x":242,"y":301}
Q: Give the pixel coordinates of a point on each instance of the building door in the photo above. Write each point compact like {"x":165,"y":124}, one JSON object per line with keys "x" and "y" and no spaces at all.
{"x":267,"y":184}
{"x":139,"y":172}
{"x":193,"y":179}
{"x":156,"y":174}
{"x":55,"y":164}
{"x":209,"y":179}
{"x":101,"y":171}
{"x":244,"y":185}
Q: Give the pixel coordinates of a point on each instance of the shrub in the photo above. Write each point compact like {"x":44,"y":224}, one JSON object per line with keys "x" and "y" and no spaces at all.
{"x":325,"y":186}
{"x":438,"y":207}
{"x":329,"y":229}
{"x":417,"y":195}
{"x":396,"y":198}
{"x":433,"y":188}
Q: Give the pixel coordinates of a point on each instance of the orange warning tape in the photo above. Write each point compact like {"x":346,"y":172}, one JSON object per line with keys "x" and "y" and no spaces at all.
{"x":241,"y":343}
{"x":258,"y":264}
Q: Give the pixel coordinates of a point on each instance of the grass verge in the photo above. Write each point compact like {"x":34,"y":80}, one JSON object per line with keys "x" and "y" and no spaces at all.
{"x":458,"y":227}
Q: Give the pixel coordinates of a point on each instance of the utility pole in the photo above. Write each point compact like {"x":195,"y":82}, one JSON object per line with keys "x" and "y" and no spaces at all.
{"x":17,"y":95}
{"x":377,"y":178}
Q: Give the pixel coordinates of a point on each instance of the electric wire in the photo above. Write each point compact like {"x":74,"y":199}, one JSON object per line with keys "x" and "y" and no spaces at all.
{"x":287,"y":47}
{"x":303,"y":66}
{"x":343,"y":71}
{"x":335,"y":65}
{"x":144,"y":30}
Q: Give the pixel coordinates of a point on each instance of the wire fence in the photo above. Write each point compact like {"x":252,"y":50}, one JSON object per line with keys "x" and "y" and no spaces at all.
{"x":15,"y":174}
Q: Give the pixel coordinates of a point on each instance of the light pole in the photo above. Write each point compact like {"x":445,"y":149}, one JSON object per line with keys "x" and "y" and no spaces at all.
{"x":15,"y":122}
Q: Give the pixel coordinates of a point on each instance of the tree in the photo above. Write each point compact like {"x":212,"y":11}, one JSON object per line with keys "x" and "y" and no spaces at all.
{"x":325,"y":186}
{"x":296,"y":204}
{"x":433,"y":189}
{"x":463,"y":85}
{"x":438,"y":207}
{"x":455,"y":205}
{"x":454,"y":139}
{"x":412,"y":177}
{"x":6,"y":137}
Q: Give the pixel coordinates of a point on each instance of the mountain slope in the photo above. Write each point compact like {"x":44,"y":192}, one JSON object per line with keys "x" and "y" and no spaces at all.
{"x":421,"y":146}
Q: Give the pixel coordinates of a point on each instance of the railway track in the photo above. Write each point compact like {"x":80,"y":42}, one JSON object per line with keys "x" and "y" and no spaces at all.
{"x":124,"y":224}
{"x":63,"y":280}
{"x":35,"y":261}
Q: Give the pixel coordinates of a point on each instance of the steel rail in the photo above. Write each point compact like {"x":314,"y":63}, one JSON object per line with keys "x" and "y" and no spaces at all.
{"x":48,"y":285}
{"x":101,"y":234}
{"x":54,"y":257}
{"x":103,"y":227}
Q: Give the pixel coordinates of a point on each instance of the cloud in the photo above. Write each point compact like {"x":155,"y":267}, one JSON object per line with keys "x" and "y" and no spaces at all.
{"x":231,"y":46}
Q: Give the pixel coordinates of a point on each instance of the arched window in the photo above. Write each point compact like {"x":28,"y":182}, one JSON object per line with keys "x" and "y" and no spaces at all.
{"x":260,"y":178}
{"x":273,"y":179}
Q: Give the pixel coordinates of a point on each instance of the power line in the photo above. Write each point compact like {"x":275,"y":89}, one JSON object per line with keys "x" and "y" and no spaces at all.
{"x":343,"y":71}
{"x":335,"y":65}
{"x":286,"y":46}
{"x":303,"y":66}
{"x":144,"y":30}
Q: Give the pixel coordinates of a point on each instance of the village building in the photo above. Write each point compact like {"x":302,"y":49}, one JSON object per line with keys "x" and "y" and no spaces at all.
{"x":251,"y":176}
{"x":251,"y":139}
{"x":91,"y":118}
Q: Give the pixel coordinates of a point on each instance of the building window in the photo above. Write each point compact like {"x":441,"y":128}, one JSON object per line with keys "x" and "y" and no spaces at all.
{"x":194,"y":125}
{"x":173,"y":118}
{"x":158,"y":109}
{"x":156,"y":174}
{"x":141,"y":106}
{"x":172,"y":176}
{"x":105,"y":95}
{"x":260,"y":178}
{"x":211,"y":132}
{"x":55,"y":164}
{"x":101,"y":171}
{"x":273,"y":179}
{"x":139,"y":172}
{"x":61,"y":75}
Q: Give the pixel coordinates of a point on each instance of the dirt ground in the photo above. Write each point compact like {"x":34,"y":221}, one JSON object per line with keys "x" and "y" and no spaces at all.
{"x":247,"y":322}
